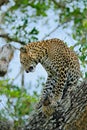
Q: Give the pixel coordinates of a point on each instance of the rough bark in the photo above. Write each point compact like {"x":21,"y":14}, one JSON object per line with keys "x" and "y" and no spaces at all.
{"x":70,"y":114}
{"x":6,"y":54}
{"x":5,"y":125}
{"x":2,"y":2}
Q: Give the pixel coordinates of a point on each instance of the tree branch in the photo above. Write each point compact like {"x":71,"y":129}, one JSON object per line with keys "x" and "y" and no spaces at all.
{"x":2,"y":2}
{"x":59,"y":4}
{"x":6,"y":36}
{"x":6,"y":55}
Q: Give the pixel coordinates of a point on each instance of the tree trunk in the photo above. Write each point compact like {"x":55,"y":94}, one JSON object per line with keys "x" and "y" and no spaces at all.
{"x":70,"y":114}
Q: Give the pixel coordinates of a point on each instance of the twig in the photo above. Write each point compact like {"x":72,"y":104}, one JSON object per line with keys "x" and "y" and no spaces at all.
{"x":22,"y":80}
{"x":59,"y":4}
{"x":51,"y":32}
{"x":20,"y":72}
{"x":9,"y":112}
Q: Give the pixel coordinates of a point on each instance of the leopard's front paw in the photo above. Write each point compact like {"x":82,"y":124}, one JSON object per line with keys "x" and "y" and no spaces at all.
{"x":49,"y":105}
{"x":45,"y":101}
{"x":54,"y":103}
{"x":48,"y":110}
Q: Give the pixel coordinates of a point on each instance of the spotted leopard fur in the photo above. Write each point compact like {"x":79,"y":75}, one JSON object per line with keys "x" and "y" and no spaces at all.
{"x":61,"y":64}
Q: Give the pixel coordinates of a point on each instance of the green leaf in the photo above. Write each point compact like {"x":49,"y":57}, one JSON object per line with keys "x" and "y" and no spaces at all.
{"x":85,"y":23}
{"x":85,"y":74}
{"x":34,"y":31}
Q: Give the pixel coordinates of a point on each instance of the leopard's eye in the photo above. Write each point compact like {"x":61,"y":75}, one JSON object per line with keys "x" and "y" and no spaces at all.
{"x":22,"y":62}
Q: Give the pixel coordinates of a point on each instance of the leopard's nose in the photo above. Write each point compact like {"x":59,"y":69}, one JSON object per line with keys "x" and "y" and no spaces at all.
{"x":31,"y":68}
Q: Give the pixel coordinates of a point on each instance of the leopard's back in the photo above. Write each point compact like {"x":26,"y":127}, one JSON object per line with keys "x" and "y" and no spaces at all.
{"x":62,"y":57}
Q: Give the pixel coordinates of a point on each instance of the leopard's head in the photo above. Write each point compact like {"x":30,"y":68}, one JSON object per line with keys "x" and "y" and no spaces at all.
{"x":27,"y":59}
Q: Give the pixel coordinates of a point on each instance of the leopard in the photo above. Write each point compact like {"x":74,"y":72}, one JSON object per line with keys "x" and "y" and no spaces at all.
{"x":60,"y":62}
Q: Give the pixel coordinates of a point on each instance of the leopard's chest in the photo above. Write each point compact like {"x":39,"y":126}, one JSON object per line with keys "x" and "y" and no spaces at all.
{"x":49,"y":66}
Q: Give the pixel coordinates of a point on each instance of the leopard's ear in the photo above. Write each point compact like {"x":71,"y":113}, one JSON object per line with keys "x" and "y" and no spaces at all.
{"x":23,"y":49}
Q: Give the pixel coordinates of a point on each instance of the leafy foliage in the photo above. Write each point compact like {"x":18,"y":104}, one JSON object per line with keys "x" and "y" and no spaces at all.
{"x":40,"y":6}
{"x":18,"y":102}
{"x":71,"y":14}
{"x":77,"y":16}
